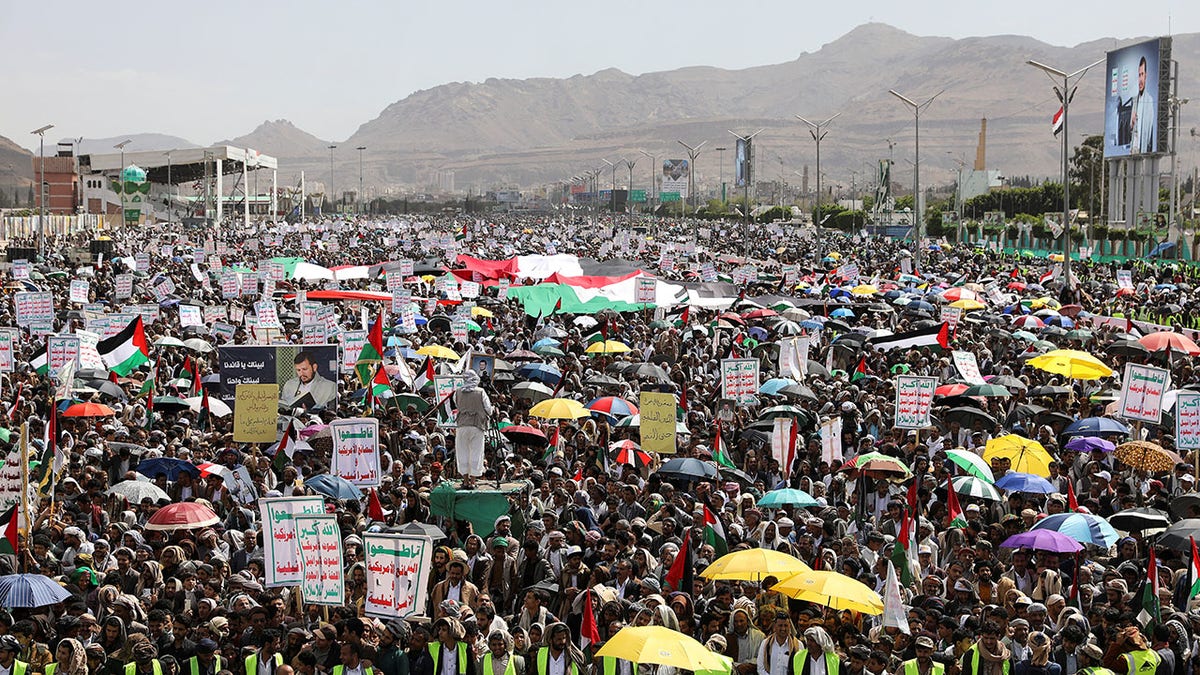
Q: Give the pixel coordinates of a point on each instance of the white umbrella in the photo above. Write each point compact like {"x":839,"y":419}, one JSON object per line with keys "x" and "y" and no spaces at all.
{"x":197,"y":345}
{"x":970,"y":486}
{"x":168,"y":341}
{"x":215,"y":405}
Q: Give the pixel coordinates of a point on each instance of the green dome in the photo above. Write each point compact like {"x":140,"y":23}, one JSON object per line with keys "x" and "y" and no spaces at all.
{"x":133,"y":174}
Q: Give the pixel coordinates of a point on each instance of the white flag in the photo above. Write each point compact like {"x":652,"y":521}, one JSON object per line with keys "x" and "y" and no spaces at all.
{"x":894,"y":614}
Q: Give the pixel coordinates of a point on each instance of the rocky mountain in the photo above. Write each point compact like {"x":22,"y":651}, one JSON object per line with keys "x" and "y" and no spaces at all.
{"x":16,"y":167}
{"x":140,"y":143}
{"x":281,"y":139}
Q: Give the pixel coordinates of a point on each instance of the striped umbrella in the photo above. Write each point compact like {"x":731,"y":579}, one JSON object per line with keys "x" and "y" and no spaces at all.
{"x":30,"y":590}
{"x":628,"y":452}
{"x":613,"y":406}
{"x":970,"y":486}
{"x":972,"y":463}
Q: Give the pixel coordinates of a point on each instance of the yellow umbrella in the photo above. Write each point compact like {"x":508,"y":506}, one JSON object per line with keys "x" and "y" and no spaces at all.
{"x":480,"y":311}
{"x":1047,"y":301}
{"x":428,"y":278}
{"x":1055,"y":257}
{"x":1074,"y":364}
{"x":754,"y":564}
{"x":831,"y":589}
{"x":835,"y":255}
{"x":438,"y":352}
{"x":864,"y":289}
{"x":608,"y":347}
{"x":967,"y":304}
{"x":559,"y":409}
{"x":662,"y":646}
{"x":1026,"y":456}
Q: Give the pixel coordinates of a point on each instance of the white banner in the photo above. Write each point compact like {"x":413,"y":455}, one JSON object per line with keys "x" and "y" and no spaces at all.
{"x":320,"y":542}
{"x":1187,"y":420}
{"x":739,"y":379}
{"x":281,"y":555}
{"x":831,"y":441}
{"x":1142,"y":389}
{"x":397,"y":574}
{"x":914,"y":399}
{"x":356,"y":450}
{"x":968,"y":367}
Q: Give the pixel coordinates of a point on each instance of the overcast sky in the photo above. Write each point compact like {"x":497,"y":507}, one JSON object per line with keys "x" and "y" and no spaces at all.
{"x":215,"y":70}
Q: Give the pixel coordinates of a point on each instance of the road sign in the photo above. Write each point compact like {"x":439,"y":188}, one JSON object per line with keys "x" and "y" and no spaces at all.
{"x":668,"y":197}
{"x":637,"y":196}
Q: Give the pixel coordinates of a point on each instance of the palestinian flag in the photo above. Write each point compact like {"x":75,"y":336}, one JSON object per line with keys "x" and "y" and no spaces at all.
{"x":557,"y":306}
{"x":714,"y":533}
{"x":127,"y":350}
{"x":957,"y":519}
{"x":1194,"y":569}
{"x":381,"y":386}
{"x":902,"y":554}
{"x":445,"y":408}
{"x":372,"y":351}
{"x":39,"y":362}
{"x":860,"y":371}
{"x":937,"y":336}
{"x":423,"y":377}
{"x":589,"y":632}
{"x":682,"y":319}
{"x":683,"y":398}
{"x":17,"y":401}
{"x":1149,"y":616}
{"x":205,"y":417}
{"x":148,"y":388}
{"x":191,"y":374}
{"x":720,"y":450}
{"x":461,"y":235}
{"x":682,"y":571}
{"x":283,"y":453}
{"x":8,"y":526}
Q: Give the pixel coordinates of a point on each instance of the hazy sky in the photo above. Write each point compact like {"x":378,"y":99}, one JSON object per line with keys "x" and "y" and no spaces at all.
{"x":214,"y":70}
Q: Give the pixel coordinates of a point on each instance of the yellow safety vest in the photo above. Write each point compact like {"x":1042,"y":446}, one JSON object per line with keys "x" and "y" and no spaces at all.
{"x":1142,"y":661}
{"x":1094,"y":670}
{"x":252,"y":663}
{"x":337,"y":670}
{"x":510,"y":669}
{"x":543,"y":662}
{"x":130,"y":668}
{"x":832,"y":663}
{"x":610,"y":665}
{"x":435,"y":652}
{"x":911,"y":668}
{"x":19,"y":667}
{"x":194,"y":665}
{"x":974,"y":650}
{"x":50,"y":668}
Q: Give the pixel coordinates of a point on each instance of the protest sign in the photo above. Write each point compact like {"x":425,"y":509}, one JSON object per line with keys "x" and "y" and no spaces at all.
{"x":1187,"y":420}
{"x":739,"y":380}
{"x":1125,"y":279}
{"x":968,"y":367}
{"x":397,"y":574}
{"x":950,"y":315}
{"x":914,"y":399}
{"x":190,"y":315}
{"x":444,"y":387}
{"x":314,"y":334}
{"x":8,"y":338}
{"x":644,"y":292}
{"x":1142,"y":389}
{"x":356,"y":450}
{"x":20,"y":269}
{"x":281,"y":554}
{"x":60,"y":349}
{"x":352,"y":342}
{"x":306,"y":374}
{"x":320,"y":543}
{"x":267,"y":316}
{"x":658,"y":421}
{"x":33,"y":306}
{"x":124,"y":286}
{"x":831,"y":440}
{"x":255,"y":409}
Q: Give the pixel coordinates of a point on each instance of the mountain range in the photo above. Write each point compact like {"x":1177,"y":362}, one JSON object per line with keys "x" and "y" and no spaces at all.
{"x":508,"y":132}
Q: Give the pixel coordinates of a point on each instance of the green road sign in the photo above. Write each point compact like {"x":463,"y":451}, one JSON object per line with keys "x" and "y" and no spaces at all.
{"x":637,"y":196}
{"x":668,"y":197}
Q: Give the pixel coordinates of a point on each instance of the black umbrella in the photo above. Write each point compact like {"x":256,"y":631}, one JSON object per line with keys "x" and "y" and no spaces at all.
{"x":966,"y":417}
{"x":1008,"y":382}
{"x":1179,"y":536}
{"x":650,"y":371}
{"x":602,"y":381}
{"x":1141,"y":518}
{"x":1127,"y":348}
{"x":109,"y":388}
{"x":423,"y":530}
{"x":689,"y":469}
{"x":1183,"y":506}
{"x":817,"y":370}
{"x":1049,"y":391}
{"x":799,"y":391}
{"x":741,"y":477}
{"x":1024,"y":412}
{"x":1053,"y":417}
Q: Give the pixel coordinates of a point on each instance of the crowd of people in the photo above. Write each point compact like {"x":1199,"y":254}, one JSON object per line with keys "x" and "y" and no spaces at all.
{"x":584,"y":532}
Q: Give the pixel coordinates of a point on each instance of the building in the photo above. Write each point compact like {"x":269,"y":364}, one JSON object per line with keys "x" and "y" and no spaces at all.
{"x":61,"y":175}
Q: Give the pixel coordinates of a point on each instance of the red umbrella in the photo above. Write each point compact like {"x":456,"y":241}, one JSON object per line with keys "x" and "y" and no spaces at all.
{"x":1016,"y":286}
{"x":182,"y":516}
{"x":950,"y":389}
{"x":1071,"y":311}
{"x":1161,"y":342}
{"x":89,"y":410}
{"x":958,"y":293}
{"x":760,"y":313}
{"x":730,"y":316}
{"x":523,"y":435}
{"x":628,"y":452}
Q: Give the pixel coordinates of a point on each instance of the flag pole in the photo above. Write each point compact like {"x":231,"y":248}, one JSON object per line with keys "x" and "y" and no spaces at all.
{"x":23,"y":501}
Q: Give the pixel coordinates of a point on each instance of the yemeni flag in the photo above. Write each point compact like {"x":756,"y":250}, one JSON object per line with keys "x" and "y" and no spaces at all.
{"x":1149,"y":616}
{"x":936,"y":336}
{"x":957,"y":519}
{"x":714,"y":533}
{"x":1072,"y":503}
{"x":8,"y":525}
{"x":1046,"y":276}
{"x":860,"y":371}
{"x":424,"y":377}
{"x":589,"y":632}
{"x":1056,"y":122}
{"x":721,"y":450}
{"x":901,"y":553}
{"x":374,"y":506}
{"x":372,"y":351}
{"x":283,"y":452}
{"x":40,"y":363}
{"x":126,"y":350}
{"x":1194,"y":569}
{"x":682,"y":570}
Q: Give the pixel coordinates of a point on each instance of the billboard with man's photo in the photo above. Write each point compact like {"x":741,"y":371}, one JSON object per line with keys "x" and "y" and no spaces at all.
{"x":675,"y":177}
{"x":307,"y":375}
{"x":1137,"y":86}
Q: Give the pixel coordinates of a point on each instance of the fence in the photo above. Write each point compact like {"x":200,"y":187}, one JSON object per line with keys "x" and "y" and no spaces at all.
{"x":14,"y":227}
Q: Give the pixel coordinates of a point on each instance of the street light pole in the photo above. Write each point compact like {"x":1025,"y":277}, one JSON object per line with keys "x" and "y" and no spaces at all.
{"x":332,"y":193}
{"x":612,"y":193}
{"x":721,"y":171}
{"x":170,"y":201}
{"x":818,"y":130}
{"x":629,"y":163}
{"x":918,"y":214}
{"x":1065,"y":95}
{"x":121,"y":172}
{"x":748,"y":175}
{"x":693,"y":153}
{"x":360,"y":180}
{"x":653,"y":182}
{"x":41,"y":134}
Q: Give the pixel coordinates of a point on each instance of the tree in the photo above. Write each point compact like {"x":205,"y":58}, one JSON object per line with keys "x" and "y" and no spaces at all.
{"x":29,"y":197}
{"x":1088,"y":172}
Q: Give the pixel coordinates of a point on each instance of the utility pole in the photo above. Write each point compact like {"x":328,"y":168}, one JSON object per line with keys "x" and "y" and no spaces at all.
{"x":612,"y":193}
{"x":721,"y":171}
{"x":693,"y":153}
{"x":629,"y":164}
{"x":170,"y":200}
{"x":918,"y":214}
{"x":41,"y":134}
{"x":360,"y":178}
{"x":749,"y":176}
{"x":331,"y":191}
{"x":818,"y":131}
{"x":653,"y":181}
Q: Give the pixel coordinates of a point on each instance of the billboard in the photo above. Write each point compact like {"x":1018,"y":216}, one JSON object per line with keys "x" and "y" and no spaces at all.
{"x":675,"y":177}
{"x":741,"y":163}
{"x":307,"y":375}
{"x":1135,"y":111}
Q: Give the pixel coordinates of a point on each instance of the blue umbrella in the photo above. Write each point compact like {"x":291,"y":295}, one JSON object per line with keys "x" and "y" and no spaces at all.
{"x":772,"y":386}
{"x":30,"y":590}
{"x":1017,"y":309}
{"x":1082,"y":527}
{"x":812,"y":325}
{"x":170,"y":466}
{"x":1090,"y":444}
{"x":546,"y":342}
{"x":540,"y":372}
{"x":919,"y":305}
{"x":786,"y":497}
{"x":840,"y":292}
{"x":1061,"y":321}
{"x":1096,"y":426}
{"x":1015,"y":481}
{"x":842,"y":312}
{"x":334,"y":487}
